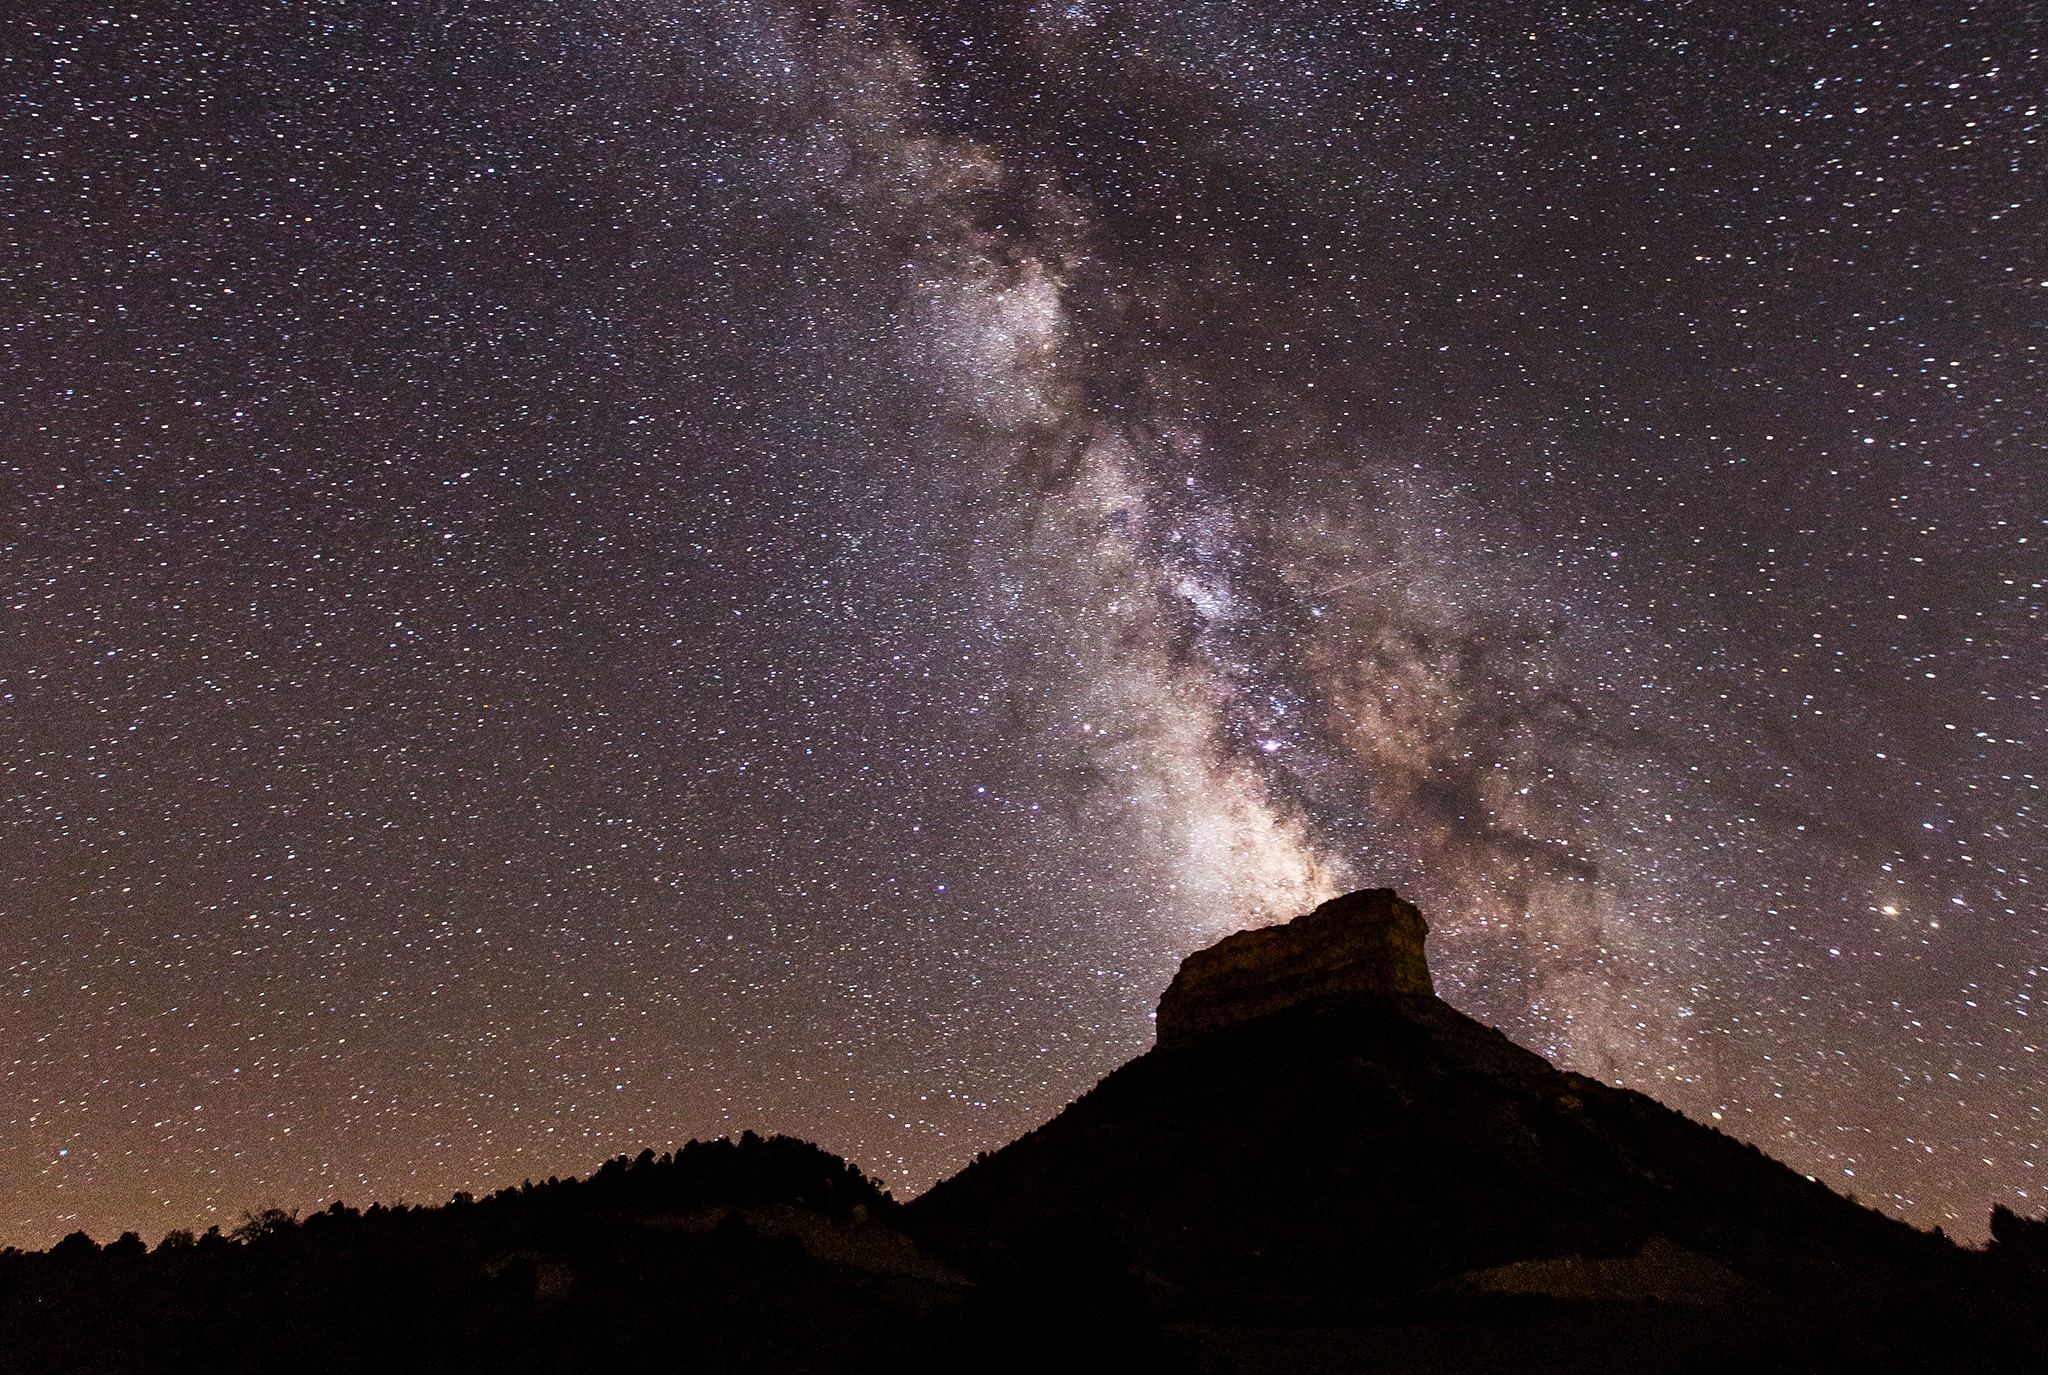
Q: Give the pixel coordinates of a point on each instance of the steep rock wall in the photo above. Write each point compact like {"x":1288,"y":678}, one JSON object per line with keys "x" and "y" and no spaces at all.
{"x":1364,"y":944}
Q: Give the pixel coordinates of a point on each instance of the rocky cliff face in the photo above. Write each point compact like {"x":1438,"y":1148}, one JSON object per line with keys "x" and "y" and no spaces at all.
{"x":1364,"y":944}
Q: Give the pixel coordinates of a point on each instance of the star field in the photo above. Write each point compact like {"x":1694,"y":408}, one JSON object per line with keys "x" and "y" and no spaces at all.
{"x":581,"y":575}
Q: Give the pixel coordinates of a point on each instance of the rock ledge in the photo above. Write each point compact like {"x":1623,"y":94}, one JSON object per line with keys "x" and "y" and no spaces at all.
{"x":1364,"y":944}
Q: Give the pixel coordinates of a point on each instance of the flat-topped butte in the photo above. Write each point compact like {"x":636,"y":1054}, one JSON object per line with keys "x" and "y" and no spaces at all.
{"x":1364,"y":944}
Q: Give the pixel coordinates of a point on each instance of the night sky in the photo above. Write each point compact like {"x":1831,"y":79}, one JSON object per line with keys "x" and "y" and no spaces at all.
{"x":583,"y":573}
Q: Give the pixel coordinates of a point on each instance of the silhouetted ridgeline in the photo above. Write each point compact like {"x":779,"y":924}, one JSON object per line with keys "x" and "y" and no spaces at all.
{"x":1320,"y":1168}
{"x":755,"y":1254}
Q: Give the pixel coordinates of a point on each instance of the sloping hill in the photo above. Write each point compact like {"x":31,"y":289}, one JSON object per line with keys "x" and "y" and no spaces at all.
{"x":1375,"y":1174}
{"x":754,"y":1255}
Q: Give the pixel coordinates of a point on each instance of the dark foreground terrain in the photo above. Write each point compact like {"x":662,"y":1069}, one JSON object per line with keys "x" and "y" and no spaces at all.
{"x":723,"y":1256}
{"x":1322,"y":1168}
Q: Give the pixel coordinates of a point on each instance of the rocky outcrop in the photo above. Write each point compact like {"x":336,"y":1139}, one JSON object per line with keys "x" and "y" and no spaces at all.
{"x":1364,"y":944}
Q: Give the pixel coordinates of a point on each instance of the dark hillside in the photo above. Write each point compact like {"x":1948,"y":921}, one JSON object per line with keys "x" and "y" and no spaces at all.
{"x":1375,"y":1172}
{"x":1322,"y":1168}
{"x":749,"y":1255}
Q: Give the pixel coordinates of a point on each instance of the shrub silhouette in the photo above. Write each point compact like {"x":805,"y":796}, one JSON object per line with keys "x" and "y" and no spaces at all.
{"x":75,"y":1247}
{"x":263,"y":1224}
{"x":2019,"y":1238}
